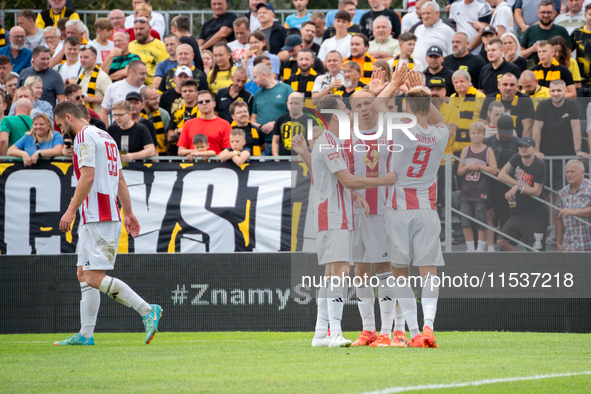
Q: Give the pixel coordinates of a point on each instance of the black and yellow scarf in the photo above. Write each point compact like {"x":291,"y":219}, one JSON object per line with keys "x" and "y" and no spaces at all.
{"x":410,"y":62}
{"x":2,"y":37}
{"x":91,"y":90}
{"x":160,"y":132}
{"x":367,"y":68}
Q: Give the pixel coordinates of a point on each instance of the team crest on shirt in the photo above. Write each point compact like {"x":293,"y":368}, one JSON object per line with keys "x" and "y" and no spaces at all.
{"x":83,"y":152}
{"x":334,"y":158}
{"x":371,"y":159}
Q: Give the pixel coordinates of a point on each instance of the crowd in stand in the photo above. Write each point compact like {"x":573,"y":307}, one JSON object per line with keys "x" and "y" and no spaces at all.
{"x":501,"y":72}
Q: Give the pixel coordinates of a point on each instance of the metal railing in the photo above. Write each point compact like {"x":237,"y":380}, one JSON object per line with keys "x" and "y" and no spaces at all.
{"x":449,"y":209}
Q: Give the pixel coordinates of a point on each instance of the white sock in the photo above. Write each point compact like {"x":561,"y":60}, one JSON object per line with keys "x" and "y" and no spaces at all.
{"x":399,"y":322}
{"x":336,"y":300}
{"x":408,"y":303}
{"x":89,"y":307}
{"x":121,"y":292}
{"x":481,"y":246}
{"x":367,"y":298}
{"x":321,"y":330}
{"x":429,"y":297}
{"x":470,"y":245}
{"x":491,"y":248}
{"x":387,"y":301}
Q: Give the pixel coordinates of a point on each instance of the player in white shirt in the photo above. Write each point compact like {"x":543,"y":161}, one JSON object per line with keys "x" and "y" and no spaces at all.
{"x":100,"y":181}
{"x":411,"y":204}
{"x":464,"y":13}
{"x":332,"y":201}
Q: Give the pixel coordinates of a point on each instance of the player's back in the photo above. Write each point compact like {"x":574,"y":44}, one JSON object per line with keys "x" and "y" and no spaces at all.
{"x":96,"y":148}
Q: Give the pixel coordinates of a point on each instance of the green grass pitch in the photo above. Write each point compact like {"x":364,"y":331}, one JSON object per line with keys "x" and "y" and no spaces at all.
{"x":270,"y":362}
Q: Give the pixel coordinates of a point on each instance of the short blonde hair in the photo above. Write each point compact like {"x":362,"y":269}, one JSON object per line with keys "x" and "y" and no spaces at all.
{"x":33,"y":79}
{"x":49,"y":124}
{"x":478,"y":126}
{"x":143,"y":7}
{"x":123,"y":104}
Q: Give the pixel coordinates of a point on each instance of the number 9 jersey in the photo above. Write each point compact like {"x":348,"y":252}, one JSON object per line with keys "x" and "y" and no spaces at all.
{"x":95,"y":148}
{"x":416,"y":166}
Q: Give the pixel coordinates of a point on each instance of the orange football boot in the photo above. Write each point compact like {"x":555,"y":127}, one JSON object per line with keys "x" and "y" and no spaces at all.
{"x":399,"y":339}
{"x":382,"y":341}
{"x":417,"y":341}
{"x":429,"y":338}
{"x":365,"y":338}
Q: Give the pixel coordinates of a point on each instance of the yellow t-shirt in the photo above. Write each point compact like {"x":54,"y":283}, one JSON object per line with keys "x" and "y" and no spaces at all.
{"x":222,"y":80}
{"x":542,"y":93}
{"x":451,"y":115}
{"x":574,"y":70}
{"x":151,"y":53}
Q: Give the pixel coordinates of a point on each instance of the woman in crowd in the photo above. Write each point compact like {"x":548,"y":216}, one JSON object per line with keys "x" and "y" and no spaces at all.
{"x":383,"y":64}
{"x":221,"y":74}
{"x":258,"y":46}
{"x":35,"y":83}
{"x":512,"y":55}
{"x":562,"y":54}
{"x":208,"y":61}
{"x":40,"y":141}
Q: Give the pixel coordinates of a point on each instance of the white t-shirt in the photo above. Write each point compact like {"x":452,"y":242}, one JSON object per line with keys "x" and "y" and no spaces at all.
{"x":418,"y":64}
{"x":503,"y":16}
{"x":408,"y":21}
{"x":254,"y":23}
{"x":68,"y":72}
{"x":157,"y":23}
{"x":102,"y":50}
{"x":343,"y":46}
{"x":462,"y":14}
{"x":322,"y":81}
{"x":571,"y":23}
{"x":439,"y":35}
{"x":238,"y":51}
{"x":117,"y":92}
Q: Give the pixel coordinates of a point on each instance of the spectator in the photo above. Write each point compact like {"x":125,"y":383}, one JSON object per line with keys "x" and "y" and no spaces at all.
{"x":333,"y":79}
{"x":225,"y":97}
{"x":240,"y":44}
{"x":221,"y":75}
{"x":289,"y":124}
{"x":171,"y":43}
{"x":5,"y":69}
{"x":10,"y":87}
{"x":93,"y":120}
{"x":318,"y":19}
{"x":103,"y":43}
{"x":133,"y":139}
{"x":475,"y":187}
{"x":143,"y":11}
{"x":341,"y":42}
{"x":580,"y":38}
{"x":26,"y":20}
{"x":378,"y":9}
{"x":137,"y":105}
{"x":542,"y":31}
{"x":93,"y":81}
{"x":512,"y":51}
{"x":117,"y":18}
{"x":217,"y":28}
{"x":275,"y":34}
{"x":487,"y":34}
{"x":20,"y":57}
{"x":208,"y":61}
{"x":502,"y":18}
{"x":525,"y":13}
{"x":359,"y":47}
{"x":57,"y":11}
{"x":468,"y":16}
{"x":156,"y":22}
{"x":574,"y":200}
{"x":73,"y":93}
{"x":116,"y":63}
{"x":407,"y":45}
{"x":3,"y":106}
{"x":184,"y":58}
{"x":181,"y":27}
{"x":158,"y":116}
{"x":149,"y":49}
{"x":293,"y":45}
{"x":530,"y":86}
{"x":32,"y":90}
{"x":12,"y":128}
{"x":251,"y":15}
{"x":216,"y":129}
{"x":258,"y":47}
{"x":411,"y":18}
{"x":61,"y":26}
{"x":549,"y":70}
{"x":74,"y":28}
{"x":492,"y":72}
{"x":241,"y":119}
{"x":237,"y":152}
{"x":53,"y":86}
{"x":349,"y":7}
{"x":172,"y":100}
{"x":433,"y":32}
{"x":342,"y":5}
{"x":383,"y":46}
{"x":188,"y":110}
{"x":70,"y":69}
{"x":202,"y":151}
{"x":117,"y":91}
{"x":462,"y":59}
{"x":40,"y":141}
{"x":351,"y":82}
{"x":270,"y":102}
{"x":526,"y":174}
{"x":308,"y":31}
{"x":52,"y":37}
{"x":563,"y":55}
{"x":436,"y":69}
{"x":575,"y":17}
{"x":303,"y":80}
{"x":496,"y":109}
{"x":296,"y":20}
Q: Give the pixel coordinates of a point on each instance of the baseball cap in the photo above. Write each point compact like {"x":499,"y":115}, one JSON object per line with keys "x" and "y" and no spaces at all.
{"x":291,"y":41}
{"x":527,"y":141}
{"x":266,"y":5}
{"x":434,"y":50}
{"x":489,"y":30}
{"x":505,"y":125}
{"x":436,"y":82}
{"x":133,"y":96}
{"x":183,"y":70}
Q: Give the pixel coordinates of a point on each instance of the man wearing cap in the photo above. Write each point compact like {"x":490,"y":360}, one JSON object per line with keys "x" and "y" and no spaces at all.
{"x":383,"y":46}
{"x":149,"y":49}
{"x":294,"y":44}
{"x":137,"y":105}
{"x":491,"y":73}
{"x":436,"y":69}
{"x":528,"y":222}
{"x":172,"y":100}
{"x":273,"y":31}
{"x":184,"y":57}
{"x":488,"y":33}
{"x":530,"y":86}
{"x":117,"y":91}
{"x":219,"y":27}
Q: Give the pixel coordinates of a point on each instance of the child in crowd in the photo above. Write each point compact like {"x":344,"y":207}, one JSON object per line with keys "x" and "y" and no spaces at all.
{"x":475,"y":187}
{"x":237,"y":152}
{"x":495,"y":110}
{"x":202,"y":151}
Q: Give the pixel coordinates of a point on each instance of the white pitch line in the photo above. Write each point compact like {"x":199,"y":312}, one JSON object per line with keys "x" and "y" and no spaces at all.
{"x":475,"y":383}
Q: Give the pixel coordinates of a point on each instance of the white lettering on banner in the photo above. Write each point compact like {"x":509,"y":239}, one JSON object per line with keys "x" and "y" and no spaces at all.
{"x":194,"y":213}
{"x":269,"y":205}
{"x":16,"y":210}
{"x":150,"y":210}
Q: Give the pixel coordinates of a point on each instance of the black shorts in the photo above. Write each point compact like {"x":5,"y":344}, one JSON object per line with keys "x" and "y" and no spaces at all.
{"x":529,"y":230}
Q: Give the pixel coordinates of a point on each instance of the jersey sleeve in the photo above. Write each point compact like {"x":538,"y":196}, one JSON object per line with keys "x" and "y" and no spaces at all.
{"x":86,"y":153}
{"x":332,"y":156}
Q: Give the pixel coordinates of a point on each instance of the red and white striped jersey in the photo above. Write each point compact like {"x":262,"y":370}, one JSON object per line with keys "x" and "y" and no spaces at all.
{"x":369,"y":158}
{"x":416,"y":167}
{"x":94,"y":147}
{"x":332,"y":203}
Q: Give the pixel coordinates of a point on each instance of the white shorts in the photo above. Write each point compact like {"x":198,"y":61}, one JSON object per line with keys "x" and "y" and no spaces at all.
{"x":97,"y":245}
{"x":413,"y":237}
{"x":369,"y":240}
{"x":334,"y":246}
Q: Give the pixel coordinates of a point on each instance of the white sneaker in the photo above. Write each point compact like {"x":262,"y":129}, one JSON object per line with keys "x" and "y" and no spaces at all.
{"x":321,"y":342}
{"x":339,"y":341}
{"x":491,"y":248}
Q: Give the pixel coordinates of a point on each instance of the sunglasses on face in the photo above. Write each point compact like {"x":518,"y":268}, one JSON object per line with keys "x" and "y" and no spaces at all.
{"x":203,"y":102}
{"x":140,"y":21}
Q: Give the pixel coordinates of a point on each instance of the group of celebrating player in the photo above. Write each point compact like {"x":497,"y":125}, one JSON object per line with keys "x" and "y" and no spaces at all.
{"x":394,"y":221}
